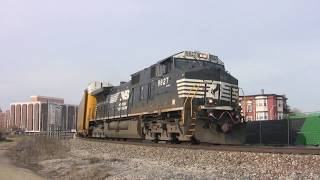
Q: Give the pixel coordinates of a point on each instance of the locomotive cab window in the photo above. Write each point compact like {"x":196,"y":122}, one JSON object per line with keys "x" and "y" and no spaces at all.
{"x":153,"y":72}
{"x":135,"y":79}
{"x":186,"y":64}
{"x":166,"y":66}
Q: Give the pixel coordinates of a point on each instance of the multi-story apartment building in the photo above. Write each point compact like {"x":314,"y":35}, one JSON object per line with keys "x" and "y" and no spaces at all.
{"x":38,"y":114}
{"x":264,"y":107}
{"x":4,"y":119}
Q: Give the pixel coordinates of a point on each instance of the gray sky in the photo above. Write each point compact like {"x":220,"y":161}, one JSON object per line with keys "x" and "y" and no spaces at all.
{"x":56,"y":48}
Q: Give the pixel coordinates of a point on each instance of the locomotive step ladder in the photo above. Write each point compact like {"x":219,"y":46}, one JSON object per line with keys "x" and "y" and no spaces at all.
{"x":190,"y":116}
{"x":192,"y":127}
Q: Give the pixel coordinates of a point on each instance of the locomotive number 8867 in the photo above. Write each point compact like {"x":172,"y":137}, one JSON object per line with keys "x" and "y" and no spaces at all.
{"x":186,"y":97}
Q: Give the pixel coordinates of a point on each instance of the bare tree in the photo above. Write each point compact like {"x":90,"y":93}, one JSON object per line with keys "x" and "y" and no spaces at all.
{"x":296,"y":111}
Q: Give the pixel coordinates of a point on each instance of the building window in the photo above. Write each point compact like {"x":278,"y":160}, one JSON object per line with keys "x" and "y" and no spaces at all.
{"x":262,"y":116}
{"x":249,"y":108}
{"x":280,"y":115}
{"x":262,"y":102}
{"x":259,"y":103}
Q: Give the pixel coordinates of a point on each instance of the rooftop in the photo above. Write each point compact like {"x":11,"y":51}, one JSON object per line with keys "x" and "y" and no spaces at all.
{"x":255,"y":95}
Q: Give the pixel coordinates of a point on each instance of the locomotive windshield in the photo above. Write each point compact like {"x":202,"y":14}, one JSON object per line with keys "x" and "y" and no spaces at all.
{"x":185,"y":64}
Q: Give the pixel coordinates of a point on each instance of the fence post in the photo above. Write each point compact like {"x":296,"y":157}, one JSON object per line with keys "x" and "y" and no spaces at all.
{"x":260,"y":133}
{"x":288,"y":131}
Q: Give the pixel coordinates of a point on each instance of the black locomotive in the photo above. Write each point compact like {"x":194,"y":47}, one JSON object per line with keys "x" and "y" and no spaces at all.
{"x":186,"y":97}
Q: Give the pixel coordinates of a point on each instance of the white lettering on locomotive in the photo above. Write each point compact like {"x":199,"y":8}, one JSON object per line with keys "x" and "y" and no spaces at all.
{"x":120,"y":96}
{"x":125,"y":94}
{"x":122,"y":106}
{"x":163,"y":81}
{"x":114,"y":97}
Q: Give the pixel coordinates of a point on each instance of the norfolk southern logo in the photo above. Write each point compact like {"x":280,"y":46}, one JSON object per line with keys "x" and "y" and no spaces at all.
{"x":213,"y":91}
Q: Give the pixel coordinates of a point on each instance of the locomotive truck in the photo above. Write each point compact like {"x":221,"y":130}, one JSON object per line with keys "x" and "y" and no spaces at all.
{"x":188,"y":96}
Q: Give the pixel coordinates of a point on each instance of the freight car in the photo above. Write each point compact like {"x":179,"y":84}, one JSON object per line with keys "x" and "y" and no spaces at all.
{"x":188,"y":96}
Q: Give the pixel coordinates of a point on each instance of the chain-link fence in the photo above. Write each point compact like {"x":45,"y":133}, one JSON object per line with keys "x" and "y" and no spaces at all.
{"x":280,"y":132}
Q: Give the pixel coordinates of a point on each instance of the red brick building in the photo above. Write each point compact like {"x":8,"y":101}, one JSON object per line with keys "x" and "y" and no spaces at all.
{"x":264,"y":107}
{"x":4,"y":120}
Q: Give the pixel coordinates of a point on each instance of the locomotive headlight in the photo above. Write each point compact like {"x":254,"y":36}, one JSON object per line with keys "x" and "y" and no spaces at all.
{"x":210,"y":101}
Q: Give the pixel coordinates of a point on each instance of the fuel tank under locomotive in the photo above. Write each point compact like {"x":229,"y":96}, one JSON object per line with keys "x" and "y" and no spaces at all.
{"x":123,"y":129}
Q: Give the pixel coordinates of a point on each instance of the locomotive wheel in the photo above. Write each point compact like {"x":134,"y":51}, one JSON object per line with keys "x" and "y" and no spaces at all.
{"x":156,"y":138}
{"x":194,"y":141}
{"x":174,"y":139}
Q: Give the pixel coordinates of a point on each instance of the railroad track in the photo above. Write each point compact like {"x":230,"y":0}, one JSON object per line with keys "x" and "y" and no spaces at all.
{"x":231,"y":148}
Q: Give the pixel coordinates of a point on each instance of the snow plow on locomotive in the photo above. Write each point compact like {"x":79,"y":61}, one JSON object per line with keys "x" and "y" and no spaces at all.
{"x":186,"y":97}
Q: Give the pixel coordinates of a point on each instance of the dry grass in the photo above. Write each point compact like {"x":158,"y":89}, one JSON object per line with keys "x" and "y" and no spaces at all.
{"x":3,"y":134}
{"x":31,"y":150}
{"x":52,"y":159}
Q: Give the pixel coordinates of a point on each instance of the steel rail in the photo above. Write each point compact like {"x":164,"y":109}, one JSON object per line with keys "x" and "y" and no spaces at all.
{"x":230,"y":148}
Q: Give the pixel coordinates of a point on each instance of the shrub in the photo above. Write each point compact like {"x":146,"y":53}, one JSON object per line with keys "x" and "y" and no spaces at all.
{"x":36,"y":148}
{"x":3,"y":134}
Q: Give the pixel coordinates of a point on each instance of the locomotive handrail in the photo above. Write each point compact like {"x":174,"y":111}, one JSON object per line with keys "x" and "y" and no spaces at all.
{"x":193,"y":98}
{"x":243,"y":103}
{"x":198,"y":86}
{"x":184,"y":104}
{"x":188,"y":96}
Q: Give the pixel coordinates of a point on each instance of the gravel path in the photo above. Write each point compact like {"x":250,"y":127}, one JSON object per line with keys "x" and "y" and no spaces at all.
{"x":8,"y":171}
{"x":100,"y":160}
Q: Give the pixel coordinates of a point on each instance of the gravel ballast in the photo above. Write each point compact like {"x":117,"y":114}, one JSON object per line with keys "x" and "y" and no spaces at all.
{"x":100,"y":160}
